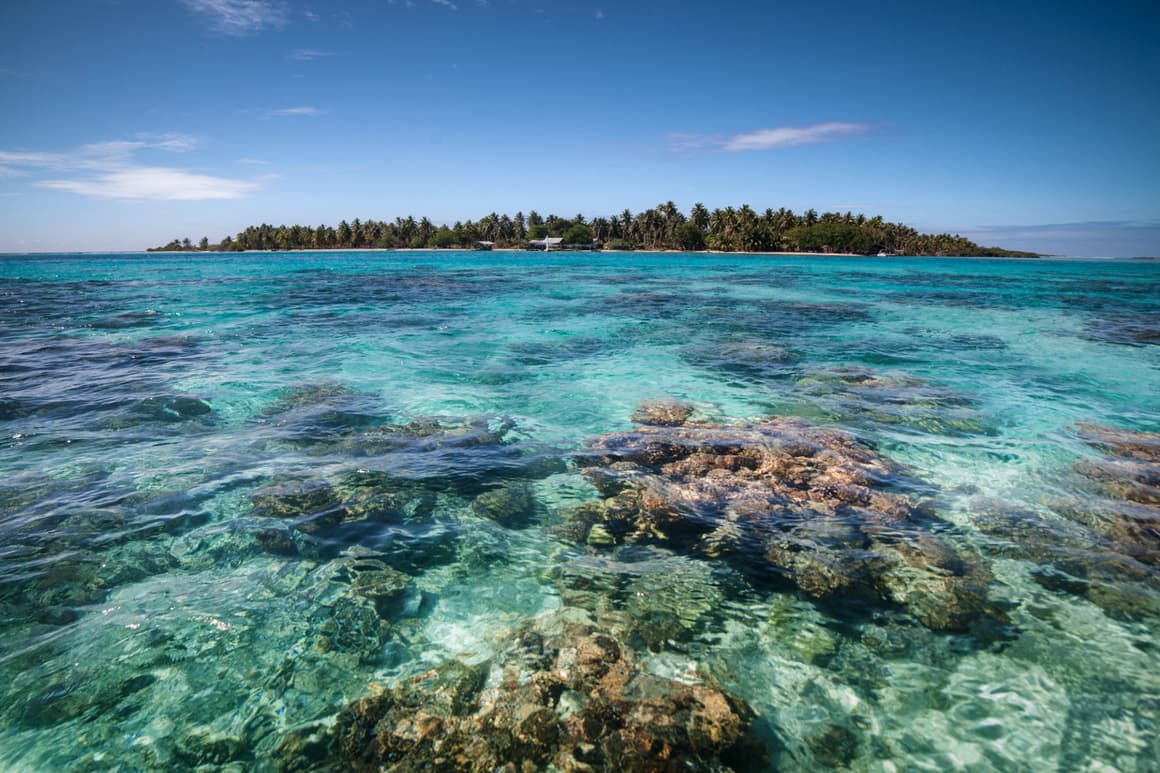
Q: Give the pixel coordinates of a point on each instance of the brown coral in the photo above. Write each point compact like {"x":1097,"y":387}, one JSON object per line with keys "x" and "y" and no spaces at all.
{"x":808,"y":503}
{"x":562,"y":694}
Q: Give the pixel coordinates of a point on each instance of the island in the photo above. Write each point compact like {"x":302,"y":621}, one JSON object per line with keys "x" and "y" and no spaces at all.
{"x":664,"y":227}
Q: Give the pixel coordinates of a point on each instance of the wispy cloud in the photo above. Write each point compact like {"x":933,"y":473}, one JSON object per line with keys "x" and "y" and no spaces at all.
{"x":1085,"y":226}
{"x":788,"y":136}
{"x":109,"y":170}
{"x":99,"y":155}
{"x":156,"y":183}
{"x":767,"y":139}
{"x":17,"y":161}
{"x":446,"y":4}
{"x":240,"y":17}
{"x":308,"y":54}
{"x":308,"y":111}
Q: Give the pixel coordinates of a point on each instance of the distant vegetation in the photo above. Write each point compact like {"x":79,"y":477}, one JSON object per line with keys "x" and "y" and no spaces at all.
{"x":661,"y":228}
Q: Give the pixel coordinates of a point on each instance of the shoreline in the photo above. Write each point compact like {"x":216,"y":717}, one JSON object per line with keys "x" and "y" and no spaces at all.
{"x":582,"y":252}
{"x":1104,"y":258}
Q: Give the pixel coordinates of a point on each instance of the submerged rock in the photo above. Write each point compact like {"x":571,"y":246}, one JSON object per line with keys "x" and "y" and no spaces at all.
{"x":1128,"y":477}
{"x":562,"y":694}
{"x":192,"y":413}
{"x":1072,"y":557}
{"x":319,"y":518}
{"x":173,"y":408}
{"x":655,"y":599}
{"x":311,"y":504}
{"x":1103,"y":542}
{"x":752,"y":359}
{"x":865,"y":396}
{"x":662,"y":413}
{"x":466,"y":455}
{"x":128,"y":319}
{"x":512,"y":505}
{"x":566,"y":350}
{"x":1138,"y":329}
{"x":328,"y":403}
{"x":781,"y":497}
{"x":384,"y":587}
{"x":315,"y":504}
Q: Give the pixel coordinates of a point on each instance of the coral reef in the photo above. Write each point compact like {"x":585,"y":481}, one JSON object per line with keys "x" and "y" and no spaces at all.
{"x":662,"y":413}
{"x":562,"y":694}
{"x":511,"y":505}
{"x":1106,"y":545}
{"x":864,"y":396}
{"x":656,"y":599}
{"x":459,"y":454}
{"x":780,"y":496}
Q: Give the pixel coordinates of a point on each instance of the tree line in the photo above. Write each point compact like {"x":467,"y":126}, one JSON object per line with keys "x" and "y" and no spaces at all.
{"x":663,"y":227}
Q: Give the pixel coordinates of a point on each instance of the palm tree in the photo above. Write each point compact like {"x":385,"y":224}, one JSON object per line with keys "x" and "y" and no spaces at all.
{"x":425,"y":230}
{"x":671,"y":219}
{"x":699,"y":216}
{"x":627,"y":225}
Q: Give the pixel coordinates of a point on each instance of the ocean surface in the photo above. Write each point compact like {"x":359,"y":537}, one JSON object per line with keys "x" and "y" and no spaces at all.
{"x":239,"y":493}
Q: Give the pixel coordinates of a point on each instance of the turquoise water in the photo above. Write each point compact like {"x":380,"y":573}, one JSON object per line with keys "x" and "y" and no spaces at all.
{"x":175,"y":433}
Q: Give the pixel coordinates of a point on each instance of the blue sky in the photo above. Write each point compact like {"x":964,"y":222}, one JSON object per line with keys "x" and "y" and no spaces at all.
{"x":131,"y":122}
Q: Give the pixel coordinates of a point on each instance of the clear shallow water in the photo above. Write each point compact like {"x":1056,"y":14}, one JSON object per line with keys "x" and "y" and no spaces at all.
{"x":175,"y":431}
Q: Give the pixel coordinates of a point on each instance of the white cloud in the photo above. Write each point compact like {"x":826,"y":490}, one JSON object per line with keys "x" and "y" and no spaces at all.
{"x":100,"y":155}
{"x":695,"y":143}
{"x":22,"y":159}
{"x":446,"y":4}
{"x":787,"y":136}
{"x":240,"y":17}
{"x":154,"y":183}
{"x":108,"y":170}
{"x":174,"y":143}
{"x":107,"y":155}
{"x":308,"y":54}
{"x":767,"y":139}
{"x":304,"y":110}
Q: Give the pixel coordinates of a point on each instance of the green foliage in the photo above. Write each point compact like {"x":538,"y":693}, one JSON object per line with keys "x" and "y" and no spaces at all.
{"x":662,"y":227}
{"x":690,"y":237}
{"x":578,"y":234}
{"x":444,"y":238}
{"x":830,"y":237}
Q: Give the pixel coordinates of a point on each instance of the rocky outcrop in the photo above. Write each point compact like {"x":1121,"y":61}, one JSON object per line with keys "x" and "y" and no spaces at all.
{"x":1103,"y":541}
{"x":464,"y":455}
{"x":780,"y":496}
{"x":562,"y":694}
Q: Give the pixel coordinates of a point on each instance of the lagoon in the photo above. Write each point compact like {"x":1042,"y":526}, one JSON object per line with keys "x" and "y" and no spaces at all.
{"x":895,"y":513}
